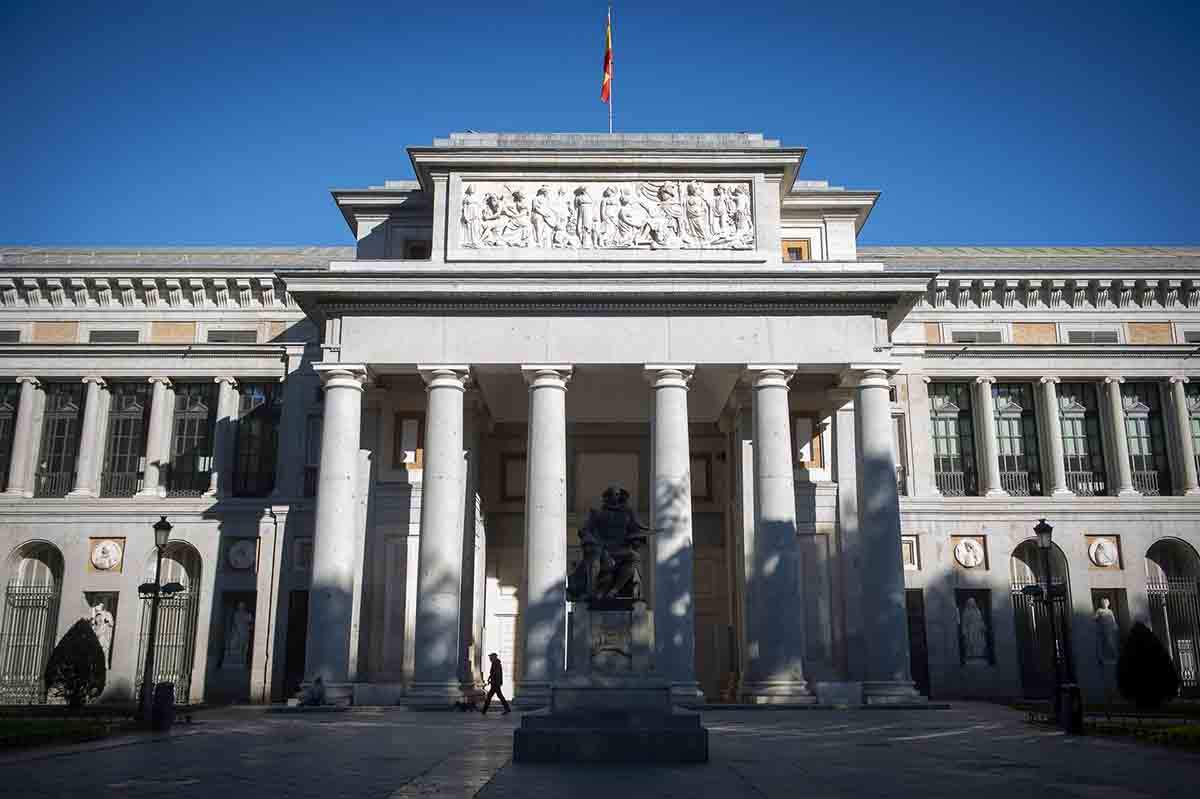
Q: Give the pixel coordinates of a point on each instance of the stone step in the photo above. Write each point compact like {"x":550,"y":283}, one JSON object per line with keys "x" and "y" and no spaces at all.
{"x":611,"y":721}
{"x":610,"y":746}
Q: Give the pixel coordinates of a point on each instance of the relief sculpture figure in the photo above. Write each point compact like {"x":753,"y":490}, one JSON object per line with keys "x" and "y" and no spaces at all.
{"x":472,"y":218}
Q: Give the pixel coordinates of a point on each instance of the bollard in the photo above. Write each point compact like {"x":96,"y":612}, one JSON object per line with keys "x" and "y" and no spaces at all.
{"x":1070,"y":714}
{"x":162,"y":711}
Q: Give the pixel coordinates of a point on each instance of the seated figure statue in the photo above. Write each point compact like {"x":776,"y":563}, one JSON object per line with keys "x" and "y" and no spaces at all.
{"x":611,"y":540}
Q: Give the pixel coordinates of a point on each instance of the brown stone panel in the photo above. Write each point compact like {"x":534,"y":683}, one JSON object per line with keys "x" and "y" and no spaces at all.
{"x":1034,"y":333}
{"x":56,"y":332}
{"x":1149,"y":332}
{"x":933,"y":333}
{"x":277,"y":329}
{"x":172,"y":332}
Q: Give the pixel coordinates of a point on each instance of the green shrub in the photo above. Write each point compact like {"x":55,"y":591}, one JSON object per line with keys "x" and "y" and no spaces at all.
{"x":1145,"y":674}
{"x":76,"y":670}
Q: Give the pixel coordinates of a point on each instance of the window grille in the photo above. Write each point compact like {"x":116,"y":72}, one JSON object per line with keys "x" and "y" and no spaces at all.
{"x":10,"y":336}
{"x":953,"y":439}
{"x":1147,"y":438}
{"x":125,"y":449}
{"x":232,"y":336}
{"x":10,"y":395}
{"x":1017,"y":439}
{"x":1083,"y":452}
{"x":60,"y":439}
{"x":1092,"y":336}
{"x":259,"y":408}
{"x":976,"y":337}
{"x":113,"y":337}
{"x":192,"y":439}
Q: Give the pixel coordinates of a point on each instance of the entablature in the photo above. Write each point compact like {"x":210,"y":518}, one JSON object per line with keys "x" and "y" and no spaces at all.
{"x":144,"y":290}
{"x":1065,"y":292}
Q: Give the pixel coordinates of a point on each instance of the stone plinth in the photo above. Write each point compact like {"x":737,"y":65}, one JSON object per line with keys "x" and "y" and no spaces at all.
{"x":611,"y":706}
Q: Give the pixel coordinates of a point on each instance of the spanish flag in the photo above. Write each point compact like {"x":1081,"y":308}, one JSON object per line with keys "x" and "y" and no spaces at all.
{"x":606,"y":86}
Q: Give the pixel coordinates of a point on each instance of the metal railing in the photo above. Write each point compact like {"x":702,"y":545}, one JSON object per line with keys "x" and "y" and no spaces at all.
{"x":1087,"y":484}
{"x":951,"y":484}
{"x":54,"y":484}
{"x":1146,"y":483}
{"x":1015,"y":483}
{"x":30,"y":613}
{"x":120,"y":484}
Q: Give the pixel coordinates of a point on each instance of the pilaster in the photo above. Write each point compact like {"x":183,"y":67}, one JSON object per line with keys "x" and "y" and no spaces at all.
{"x":1183,"y":433}
{"x":158,"y":445}
{"x":1052,"y":424}
{"x":90,"y":445}
{"x":985,"y":423}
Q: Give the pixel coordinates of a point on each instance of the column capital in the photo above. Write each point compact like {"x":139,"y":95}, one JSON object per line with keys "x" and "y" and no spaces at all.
{"x":30,"y":379}
{"x":547,"y":375}
{"x":1050,"y":379}
{"x":342,"y":375}
{"x":166,"y":381}
{"x":97,"y":379}
{"x":770,"y":374}
{"x":445,"y":375}
{"x":979,"y":381}
{"x":1179,"y":379}
{"x":1114,"y":379}
{"x":232,"y":381}
{"x":668,"y":375}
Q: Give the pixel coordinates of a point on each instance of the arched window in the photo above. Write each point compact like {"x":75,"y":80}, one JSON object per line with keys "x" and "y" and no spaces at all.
{"x":175,"y":635}
{"x":1173,"y":588}
{"x":1035,"y":645}
{"x":30,"y":619}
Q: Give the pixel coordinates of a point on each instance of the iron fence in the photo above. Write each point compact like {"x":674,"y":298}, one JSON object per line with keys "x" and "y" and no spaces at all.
{"x":54,"y":484}
{"x":1146,"y":482}
{"x":1087,"y":484}
{"x":1175,"y":615}
{"x":26,"y":637}
{"x":951,"y":484}
{"x":174,"y":644}
{"x":120,"y":484}
{"x":1015,"y":483}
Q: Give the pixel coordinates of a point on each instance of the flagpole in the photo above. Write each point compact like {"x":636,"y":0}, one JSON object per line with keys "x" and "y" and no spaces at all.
{"x":610,"y":81}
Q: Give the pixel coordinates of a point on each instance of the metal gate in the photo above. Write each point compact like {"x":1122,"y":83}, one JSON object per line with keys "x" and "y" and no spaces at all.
{"x":1035,"y":646}
{"x":174,"y":645}
{"x":26,"y":640}
{"x":1175,"y":615}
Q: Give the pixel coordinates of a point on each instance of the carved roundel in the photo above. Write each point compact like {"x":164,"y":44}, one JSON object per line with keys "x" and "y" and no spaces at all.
{"x":969,"y":553}
{"x":106,"y":554}
{"x":241,"y":554}
{"x":1103,"y":553}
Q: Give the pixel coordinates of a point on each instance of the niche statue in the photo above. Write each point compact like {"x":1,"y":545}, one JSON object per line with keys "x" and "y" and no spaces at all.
{"x":611,"y":540}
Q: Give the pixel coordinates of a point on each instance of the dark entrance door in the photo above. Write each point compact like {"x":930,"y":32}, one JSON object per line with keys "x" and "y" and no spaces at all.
{"x":918,"y":649}
{"x":297,"y":642}
{"x":1035,"y":646}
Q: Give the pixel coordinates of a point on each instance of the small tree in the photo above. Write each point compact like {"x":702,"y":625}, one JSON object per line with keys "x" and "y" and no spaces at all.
{"x":1145,"y":674}
{"x":76,"y":670}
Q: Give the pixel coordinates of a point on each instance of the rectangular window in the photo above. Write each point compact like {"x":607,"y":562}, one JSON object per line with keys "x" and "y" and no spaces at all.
{"x":10,"y":336}
{"x":192,"y":439}
{"x":60,"y":439}
{"x":807,"y":443}
{"x":1147,"y":438}
{"x":1092,"y":336}
{"x":113,"y":337}
{"x":312,"y":454}
{"x":1192,"y":392}
{"x":976,"y":337}
{"x":953,"y":439}
{"x":1191,"y":337}
{"x":232,"y":336}
{"x":124,"y":452}
{"x":408,"y":441}
{"x":1017,"y":439}
{"x":260,"y":406}
{"x":1083,"y":452}
{"x":796,"y":250}
{"x":10,"y":394}
{"x":898,"y":455}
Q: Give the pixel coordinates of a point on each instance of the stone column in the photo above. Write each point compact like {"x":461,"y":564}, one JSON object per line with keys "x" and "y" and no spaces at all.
{"x":1116,"y":433}
{"x":887,"y":678}
{"x":1050,"y":415}
{"x":544,"y":604}
{"x":90,"y":446}
{"x":20,"y":475}
{"x":158,"y":447}
{"x":439,"y":575}
{"x":220,"y":482}
{"x":985,"y":421}
{"x":1183,"y":427}
{"x":293,"y":424}
{"x":671,"y":501}
{"x":774,"y":671}
{"x":330,"y":596}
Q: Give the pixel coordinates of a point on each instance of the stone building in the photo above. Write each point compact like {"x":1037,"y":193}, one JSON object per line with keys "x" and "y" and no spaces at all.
{"x":377,"y":458}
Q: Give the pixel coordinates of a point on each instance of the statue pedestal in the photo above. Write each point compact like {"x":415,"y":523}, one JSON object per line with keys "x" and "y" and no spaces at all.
{"x":611,"y":706}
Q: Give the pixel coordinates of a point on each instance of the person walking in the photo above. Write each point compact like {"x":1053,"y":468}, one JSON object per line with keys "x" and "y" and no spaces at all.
{"x":495,"y":685}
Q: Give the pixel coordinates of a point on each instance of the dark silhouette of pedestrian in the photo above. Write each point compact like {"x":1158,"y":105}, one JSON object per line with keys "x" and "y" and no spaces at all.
{"x":495,"y":685}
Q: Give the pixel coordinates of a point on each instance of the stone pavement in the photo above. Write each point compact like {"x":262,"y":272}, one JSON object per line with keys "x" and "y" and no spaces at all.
{"x":972,"y":750}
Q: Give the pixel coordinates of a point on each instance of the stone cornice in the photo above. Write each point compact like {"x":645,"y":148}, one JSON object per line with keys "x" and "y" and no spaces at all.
{"x":137,"y":288}
{"x":1061,"y":292}
{"x":598,"y":306}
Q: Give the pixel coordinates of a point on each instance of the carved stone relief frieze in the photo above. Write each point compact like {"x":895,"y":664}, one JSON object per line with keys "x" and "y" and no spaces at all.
{"x":641,"y":214}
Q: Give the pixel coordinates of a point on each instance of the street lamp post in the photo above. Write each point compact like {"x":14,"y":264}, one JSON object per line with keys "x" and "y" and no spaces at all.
{"x":162,"y":533}
{"x":1045,"y":540}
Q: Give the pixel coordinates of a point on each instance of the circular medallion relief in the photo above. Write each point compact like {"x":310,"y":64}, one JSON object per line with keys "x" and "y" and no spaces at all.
{"x":1103,"y":553}
{"x":969,"y":553}
{"x":106,"y":554}
{"x":241,"y":554}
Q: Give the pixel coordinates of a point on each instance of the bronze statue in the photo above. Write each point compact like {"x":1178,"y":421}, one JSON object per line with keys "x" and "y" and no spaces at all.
{"x":612,"y":539}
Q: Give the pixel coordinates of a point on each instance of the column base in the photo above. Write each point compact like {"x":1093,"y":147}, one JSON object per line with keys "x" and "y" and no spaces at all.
{"x":1062,"y":492}
{"x":996,"y":492}
{"x":1192,"y":492}
{"x":151,"y":493}
{"x":687,"y":694}
{"x":892,"y":693}
{"x":433,"y":695}
{"x":86,"y":493}
{"x":18,"y":493}
{"x":777,"y":692}
{"x":1129,"y":492}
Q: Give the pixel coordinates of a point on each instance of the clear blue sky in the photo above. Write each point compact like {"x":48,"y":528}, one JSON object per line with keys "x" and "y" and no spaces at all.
{"x":227,"y":123}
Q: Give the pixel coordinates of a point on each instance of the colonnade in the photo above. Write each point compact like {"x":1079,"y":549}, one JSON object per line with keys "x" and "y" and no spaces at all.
{"x":773,"y":670}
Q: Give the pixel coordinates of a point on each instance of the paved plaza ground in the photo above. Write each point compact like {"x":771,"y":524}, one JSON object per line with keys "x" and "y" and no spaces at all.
{"x":972,"y":750}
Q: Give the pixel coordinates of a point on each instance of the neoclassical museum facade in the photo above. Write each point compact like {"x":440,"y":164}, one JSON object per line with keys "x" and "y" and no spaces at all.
{"x":377,"y":458}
